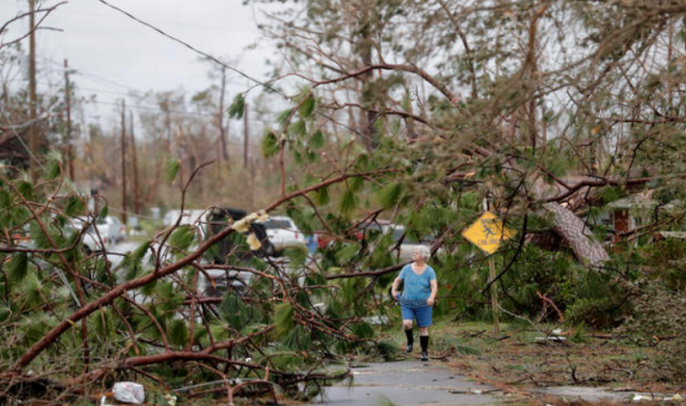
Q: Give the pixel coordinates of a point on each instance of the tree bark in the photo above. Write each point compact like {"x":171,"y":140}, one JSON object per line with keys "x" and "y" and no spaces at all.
{"x":574,"y":231}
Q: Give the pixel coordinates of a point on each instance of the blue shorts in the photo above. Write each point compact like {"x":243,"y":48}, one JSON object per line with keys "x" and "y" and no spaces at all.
{"x":421,"y":314}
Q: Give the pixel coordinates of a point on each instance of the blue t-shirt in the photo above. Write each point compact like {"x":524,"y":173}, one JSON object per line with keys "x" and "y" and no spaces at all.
{"x":417,"y":287}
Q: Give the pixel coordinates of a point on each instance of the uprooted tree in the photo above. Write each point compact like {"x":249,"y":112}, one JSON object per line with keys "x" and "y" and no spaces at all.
{"x":412,"y":111}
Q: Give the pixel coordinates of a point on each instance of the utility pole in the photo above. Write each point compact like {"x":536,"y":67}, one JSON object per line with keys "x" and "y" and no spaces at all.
{"x":123,"y":161}
{"x":67,"y":135}
{"x":33,"y":133}
{"x":246,"y":136}
{"x":136,"y":197}
{"x":222,"y":131}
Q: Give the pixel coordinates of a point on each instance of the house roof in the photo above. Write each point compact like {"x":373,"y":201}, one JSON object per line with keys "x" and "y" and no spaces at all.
{"x":643,"y":200}
{"x":673,"y":234}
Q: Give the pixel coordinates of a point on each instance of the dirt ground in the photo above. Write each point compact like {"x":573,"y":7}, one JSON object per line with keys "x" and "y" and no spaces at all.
{"x":521,"y":362}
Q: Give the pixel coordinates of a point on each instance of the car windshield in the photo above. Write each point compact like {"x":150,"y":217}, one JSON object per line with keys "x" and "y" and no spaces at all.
{"x":367,"y":227}
{"x":275,"y":223}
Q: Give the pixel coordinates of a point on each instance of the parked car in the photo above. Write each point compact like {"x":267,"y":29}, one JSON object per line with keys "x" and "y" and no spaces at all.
{"x":283,"y":233}
{"x":90,"y":237}
{"x":214,"y":282}
{"x":362,"y":230}
{"x":115,"y":230}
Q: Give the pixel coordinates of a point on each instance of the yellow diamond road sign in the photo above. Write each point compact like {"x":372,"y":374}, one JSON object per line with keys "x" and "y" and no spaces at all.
{"x":487,"y":233}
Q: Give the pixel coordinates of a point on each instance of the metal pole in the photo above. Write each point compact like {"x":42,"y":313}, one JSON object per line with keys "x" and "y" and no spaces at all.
{"x":494,"y":289}
{"x":136,"y":197}
{"x":246,"y":136}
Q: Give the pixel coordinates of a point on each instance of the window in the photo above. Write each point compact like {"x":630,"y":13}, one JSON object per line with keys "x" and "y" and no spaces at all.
{"x":275,"y":223}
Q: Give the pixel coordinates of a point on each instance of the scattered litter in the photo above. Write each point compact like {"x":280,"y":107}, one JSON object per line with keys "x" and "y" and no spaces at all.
{"x":555,"y":335}
{"x":171,"y":399}
{"x":129,"y":392}
{"x":641,"y":398}
{"x":472,"y":391}
{"x":103,"y":401}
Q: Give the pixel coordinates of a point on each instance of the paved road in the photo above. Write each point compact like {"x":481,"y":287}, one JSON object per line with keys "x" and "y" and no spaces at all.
{"x":406,"y":383}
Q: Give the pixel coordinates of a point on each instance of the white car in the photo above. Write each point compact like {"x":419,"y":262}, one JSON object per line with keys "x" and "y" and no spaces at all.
{"x":283,"y":233}
{"x":90,"y":237}
{"x":115,"y":230}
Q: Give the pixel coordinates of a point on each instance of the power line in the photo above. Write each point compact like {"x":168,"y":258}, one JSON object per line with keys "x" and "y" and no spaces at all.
{"x":266,"y":85}
{"x":187,"y":45}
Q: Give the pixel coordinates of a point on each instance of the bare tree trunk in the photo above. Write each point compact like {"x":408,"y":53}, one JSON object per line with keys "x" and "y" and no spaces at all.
{"x":369,"y":129}
{"x":574,"y":231}
{"x":220,"y":119}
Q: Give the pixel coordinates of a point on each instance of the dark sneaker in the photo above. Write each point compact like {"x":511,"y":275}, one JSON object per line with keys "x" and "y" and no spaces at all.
{"x":425,"y":356}
{"x":408,"y":349}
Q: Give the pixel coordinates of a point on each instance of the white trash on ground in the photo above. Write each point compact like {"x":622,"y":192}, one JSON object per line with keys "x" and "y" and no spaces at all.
{"x":129,"y":392}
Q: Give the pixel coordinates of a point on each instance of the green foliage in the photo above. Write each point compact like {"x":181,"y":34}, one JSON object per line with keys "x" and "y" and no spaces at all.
{"x":75,"y":206}
{"x":270,"y":145}
{"x":283,"y":117}
{"x":172,"y":169}
{"x":347,"y":253}
{"x":237,"y":314}
{"x":387,"y":350}
{"x":169,"y":297}
{"x":237,"y":108}
{"x":102,"y":214}
{"x":297,"y":255}
{"x":307,"y":107}
{"x":132,"y":263}
{"x":18,"y":267}
{"x":178,"y":332}
{"x":53,"y":166}
{"x":317,"y":141}
{"x":297,"y":339}
{"x":5,"y":313}
{"x":322,"y":197}
{"x":182,"y":237}
{"x":363,"y":330}
{"x":612,"y":193}
{"x":349,"y":202}
{"x":390,"y":195}
{"x":25,"y":188}
{"x":283,"y":319}
{"x":298,"y":128}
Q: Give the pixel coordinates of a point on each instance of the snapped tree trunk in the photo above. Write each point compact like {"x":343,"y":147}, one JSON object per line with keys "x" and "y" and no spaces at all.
{"x":573,"y":230}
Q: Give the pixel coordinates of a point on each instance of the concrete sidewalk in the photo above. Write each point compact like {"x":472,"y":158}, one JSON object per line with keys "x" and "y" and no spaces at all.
{"x":406,"y":383}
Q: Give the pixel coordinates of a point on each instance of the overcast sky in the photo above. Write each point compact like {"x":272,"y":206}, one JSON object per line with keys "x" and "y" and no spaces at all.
{"x":110,"y":51}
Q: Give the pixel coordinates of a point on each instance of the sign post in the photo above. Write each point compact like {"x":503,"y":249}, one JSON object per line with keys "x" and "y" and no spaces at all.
{"x":487,"y":233}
